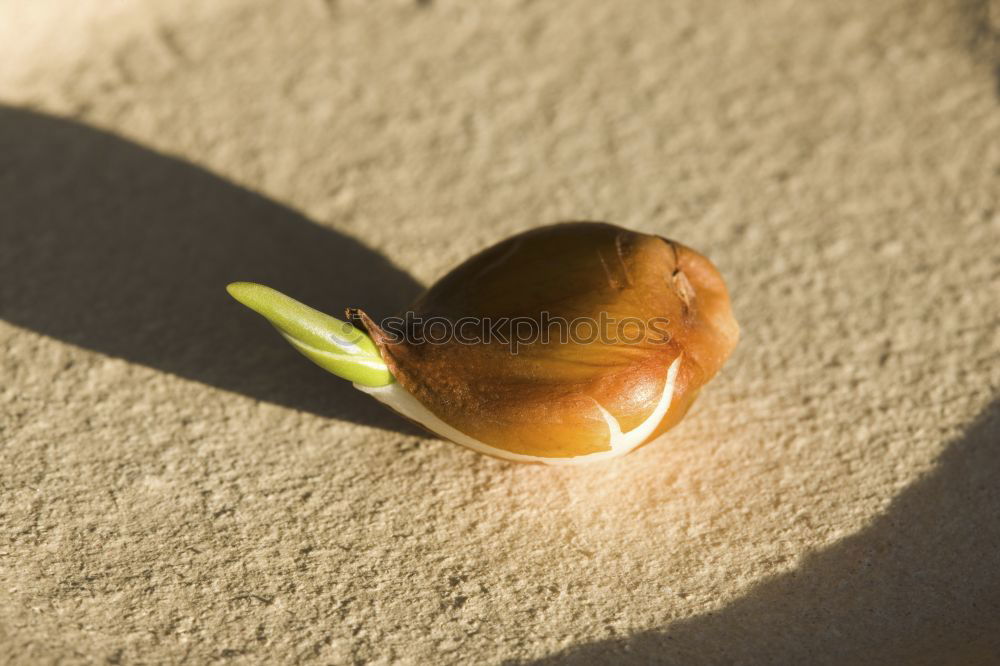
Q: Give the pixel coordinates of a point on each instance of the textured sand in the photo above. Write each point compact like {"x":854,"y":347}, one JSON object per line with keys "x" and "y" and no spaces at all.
{"x":177,"y":484}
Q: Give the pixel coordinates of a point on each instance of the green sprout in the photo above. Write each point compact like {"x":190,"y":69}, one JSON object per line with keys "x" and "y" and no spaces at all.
{"x":334,"y":345}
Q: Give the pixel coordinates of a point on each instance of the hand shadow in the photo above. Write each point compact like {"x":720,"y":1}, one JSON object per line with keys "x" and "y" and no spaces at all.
{"x":920,"y":585}
{"x":125,"y":251}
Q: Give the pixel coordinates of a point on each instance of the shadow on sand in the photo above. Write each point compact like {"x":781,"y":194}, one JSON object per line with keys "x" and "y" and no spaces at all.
{"x":125,"y":251}
{"x":921,"y":585}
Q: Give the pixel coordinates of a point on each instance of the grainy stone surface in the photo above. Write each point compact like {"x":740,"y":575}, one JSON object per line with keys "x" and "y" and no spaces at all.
{"x":177,"y":485}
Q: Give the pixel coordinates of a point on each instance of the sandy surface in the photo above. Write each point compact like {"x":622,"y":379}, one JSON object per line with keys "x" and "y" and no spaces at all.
{"x":177,"y":484}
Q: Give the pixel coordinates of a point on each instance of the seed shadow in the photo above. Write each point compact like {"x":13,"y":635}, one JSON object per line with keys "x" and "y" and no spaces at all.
{"x":921,"y":585}
{"x":120,"y":249}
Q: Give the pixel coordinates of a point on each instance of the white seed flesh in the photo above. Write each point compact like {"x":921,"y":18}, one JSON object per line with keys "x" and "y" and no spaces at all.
{"x":401,"y":400}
